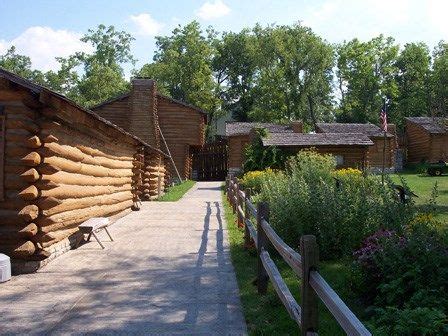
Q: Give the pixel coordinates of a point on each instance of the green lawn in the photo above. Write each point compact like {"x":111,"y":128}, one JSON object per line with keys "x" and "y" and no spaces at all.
{"x":265,"y":314}
{"x":422,"y":185}
{"x":176,"y":192}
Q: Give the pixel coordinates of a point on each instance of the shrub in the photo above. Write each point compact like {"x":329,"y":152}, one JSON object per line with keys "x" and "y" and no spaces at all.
{"x":308,"y":200}
{"x":254,"y":179}
{"x":406,"y":273}
{"x":258,"y":157}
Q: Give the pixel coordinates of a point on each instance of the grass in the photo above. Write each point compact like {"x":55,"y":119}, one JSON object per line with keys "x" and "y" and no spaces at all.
{"x":176,"y":192}
{"x":422,"y":185}
{"x":265,"y":314}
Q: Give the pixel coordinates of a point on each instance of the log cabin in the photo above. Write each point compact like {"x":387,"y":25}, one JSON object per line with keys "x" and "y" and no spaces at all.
{"x":374,"y":133}
{"x":349,"y":149}
{"x":426,"y":139}
{"x":182,"y":125}
{"x":61,"y":164}
{"x":238,"y":135}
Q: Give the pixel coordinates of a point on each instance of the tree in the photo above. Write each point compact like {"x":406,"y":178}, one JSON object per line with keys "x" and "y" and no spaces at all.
{"x":440,"y":79}
{"x":234,"y":67}
{"x":20,"y":65}
{"x":366,"y":73}
{"x":412,"y":78}
{"x":182,"y":67}
{"x":293,"y":77}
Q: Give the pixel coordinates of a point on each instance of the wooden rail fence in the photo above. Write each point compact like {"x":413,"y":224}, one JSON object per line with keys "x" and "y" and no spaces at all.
{"x":304,"y":265}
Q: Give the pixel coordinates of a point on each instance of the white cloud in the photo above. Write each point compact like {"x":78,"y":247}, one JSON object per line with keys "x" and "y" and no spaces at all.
{"x":405,"y":20}
{"x":43,"y":44}
{"x":146,"y":25}
{"x":209,"y":10}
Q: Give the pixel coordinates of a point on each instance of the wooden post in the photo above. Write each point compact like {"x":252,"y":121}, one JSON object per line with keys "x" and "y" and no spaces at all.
{"x":239,"y":202}
{"x":246,"y":217}
{"x":310,"y":259}
{"x":226,"y":187}
{"x":262,"y":240}
{"x":234,"y":193}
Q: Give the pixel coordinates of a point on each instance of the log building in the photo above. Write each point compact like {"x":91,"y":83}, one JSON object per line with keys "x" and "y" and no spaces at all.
{"x":61,"y":164}
{"x":349,"y":149}
{"x":374,"y":133}
{"x":182,"y":125}
{"x":238,"y":136}
{"x":426,"y":139}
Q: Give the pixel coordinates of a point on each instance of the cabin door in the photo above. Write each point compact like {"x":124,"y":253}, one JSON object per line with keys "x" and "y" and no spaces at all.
{"x":210,"y":162}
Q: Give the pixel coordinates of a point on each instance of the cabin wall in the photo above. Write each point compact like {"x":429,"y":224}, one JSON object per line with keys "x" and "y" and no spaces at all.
{"x":376,"y":153}
{"x":237,"y":145}
{"x":63,"y":167}
{"x":116,"y":112}
{"x":418,"y":143}
{"x":439,"y":148}
{"x":353,"y":156}
{"x":183,"y":129}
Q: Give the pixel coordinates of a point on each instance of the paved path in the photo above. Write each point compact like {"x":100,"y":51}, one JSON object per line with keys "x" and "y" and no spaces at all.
{"x":167,"y":273}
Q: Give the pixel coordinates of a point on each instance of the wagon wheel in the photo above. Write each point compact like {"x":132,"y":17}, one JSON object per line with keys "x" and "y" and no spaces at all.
{"x":438,"y":172}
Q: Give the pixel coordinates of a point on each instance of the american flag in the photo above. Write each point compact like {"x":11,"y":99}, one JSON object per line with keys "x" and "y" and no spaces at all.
{"x":383,"y":118}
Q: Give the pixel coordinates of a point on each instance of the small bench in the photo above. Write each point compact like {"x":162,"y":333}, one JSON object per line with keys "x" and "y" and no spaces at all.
{"x":93,"y":225}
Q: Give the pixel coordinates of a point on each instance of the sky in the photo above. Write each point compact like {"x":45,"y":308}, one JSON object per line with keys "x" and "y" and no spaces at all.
{"x":45,"y":29}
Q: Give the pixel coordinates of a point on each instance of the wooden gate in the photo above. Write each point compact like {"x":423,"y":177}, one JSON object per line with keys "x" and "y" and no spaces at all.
{"x":210,"y":162}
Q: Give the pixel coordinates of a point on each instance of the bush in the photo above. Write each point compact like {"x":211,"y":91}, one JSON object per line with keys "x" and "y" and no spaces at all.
{"x":258,"y":157}
{"x":406,"y":273}
{"x":308,"y":199}
{"x":254,"y":179}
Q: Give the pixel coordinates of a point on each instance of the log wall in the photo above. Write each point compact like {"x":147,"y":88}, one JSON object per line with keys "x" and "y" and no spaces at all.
{"x":62,"y":166}
{"x":376,"y":153}
{"x":237,"y":145}
{"x":418,"y":143}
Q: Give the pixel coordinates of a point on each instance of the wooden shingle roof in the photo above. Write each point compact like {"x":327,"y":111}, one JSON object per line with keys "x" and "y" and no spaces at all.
{"x":436,"y":125}
{"x":370,"y":130}
{"x":243,"y":128}
{"x":316,"y":139}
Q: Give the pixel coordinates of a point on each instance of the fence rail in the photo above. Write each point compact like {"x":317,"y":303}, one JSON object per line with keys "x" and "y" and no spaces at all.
{"x":304,"y":264}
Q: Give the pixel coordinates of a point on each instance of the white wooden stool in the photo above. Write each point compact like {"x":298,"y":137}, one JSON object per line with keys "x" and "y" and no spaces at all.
{"x":93,"y":225}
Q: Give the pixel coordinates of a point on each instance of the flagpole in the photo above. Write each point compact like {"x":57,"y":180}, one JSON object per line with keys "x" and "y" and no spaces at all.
{"x":384,"y":146}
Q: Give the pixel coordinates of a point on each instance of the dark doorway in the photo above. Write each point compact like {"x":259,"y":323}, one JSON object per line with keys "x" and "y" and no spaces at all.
{"x":210,"y":162}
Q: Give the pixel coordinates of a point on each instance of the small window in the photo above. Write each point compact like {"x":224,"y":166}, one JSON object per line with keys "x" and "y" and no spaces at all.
{"x":339,"y":160}
{"x":2,"y":151}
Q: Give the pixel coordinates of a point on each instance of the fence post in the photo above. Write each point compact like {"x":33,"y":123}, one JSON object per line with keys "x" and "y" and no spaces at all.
{"x":226,"y":186}
{"x":246,"y":218}
{"x":262,"y":275}
{"x":239,"y":202}
{"x":310,"y":259}
{"x":229,"y":194}
{"x":234,"y":193}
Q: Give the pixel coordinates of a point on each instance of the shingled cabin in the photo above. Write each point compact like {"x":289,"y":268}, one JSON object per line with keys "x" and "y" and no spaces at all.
{"x":375,"y":134}
{"x":349,"y":149}
{"x":143,"y":110}
{"x":238,"y":137}
{"x":61,"y":164}
{"x":426,"y":139}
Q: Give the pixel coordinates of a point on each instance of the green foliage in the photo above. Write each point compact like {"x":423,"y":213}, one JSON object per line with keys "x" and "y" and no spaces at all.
{"x":404,"y":277}
{"x":254,"y":179}
{"x":258,"y":157}
{"x":413,"y":80}
{"x":20,"y":65}
{"x":366,"y":73}
{"x":424,"y":321}
{"x":440,"y":79}
{"x":182,"y":66}
{"x":307,"y":200}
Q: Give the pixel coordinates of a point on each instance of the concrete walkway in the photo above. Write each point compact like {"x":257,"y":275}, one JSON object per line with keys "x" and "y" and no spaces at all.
{"x":167,"y":273}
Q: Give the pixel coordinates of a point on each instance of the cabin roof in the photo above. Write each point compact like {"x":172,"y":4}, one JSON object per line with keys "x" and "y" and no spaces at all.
{"x":159,"y":95}
{"x":370,"y":130}
{"x":433,"y":125}
{"x":37,"y":89}
{"x":316,"y":139}
{"x":243,"y":128}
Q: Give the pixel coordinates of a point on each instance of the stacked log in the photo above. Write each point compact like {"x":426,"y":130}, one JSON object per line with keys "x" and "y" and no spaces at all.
{"x":153,"y":176}
{"x":18,"y":214}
